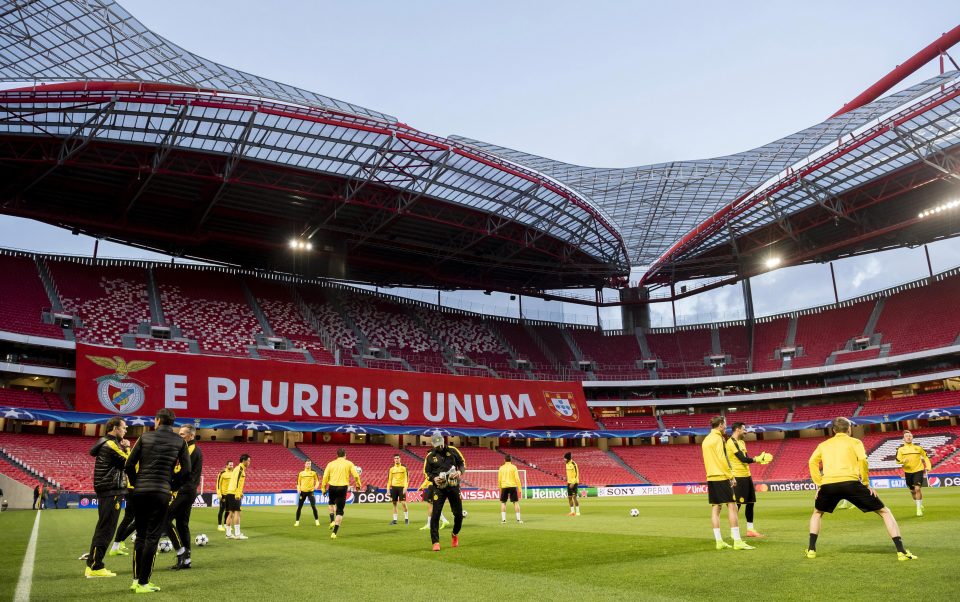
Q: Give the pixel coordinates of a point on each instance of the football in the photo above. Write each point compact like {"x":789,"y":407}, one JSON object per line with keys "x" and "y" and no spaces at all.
{"x":634,"y":512}
{"x":464,"y":514}
{"x":165,"y":545}
{"x":359,"y":470}
{"x":202,"y":539}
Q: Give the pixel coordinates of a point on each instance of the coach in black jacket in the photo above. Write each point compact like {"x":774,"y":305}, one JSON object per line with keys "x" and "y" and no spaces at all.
{"x":183,"y":502}
{"x":158,"y":454}
{"x":110,"y":484}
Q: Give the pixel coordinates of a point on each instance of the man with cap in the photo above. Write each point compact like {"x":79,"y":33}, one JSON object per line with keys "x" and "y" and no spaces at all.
{"x":444,"y":467}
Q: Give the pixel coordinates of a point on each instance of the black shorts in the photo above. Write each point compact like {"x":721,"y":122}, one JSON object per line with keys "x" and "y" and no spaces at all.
{"x":572,"y":489}
{"x":744,"y":492}
{"x":719,"y":492}
{"x":338,"y":497}
{"x":854,"y":492}
{"x":398,"y":494}
{"x":428,"y":494}
{"x":915,"y":479}
{"x":232,"y":503}
{"x":508,"y":493}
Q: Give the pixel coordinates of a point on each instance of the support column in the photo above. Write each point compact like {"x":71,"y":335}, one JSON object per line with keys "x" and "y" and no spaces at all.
{"x":926,"y":251}
{"x":833,"y":278}
{"x":748,"y":311}
{"x":635,"y":311}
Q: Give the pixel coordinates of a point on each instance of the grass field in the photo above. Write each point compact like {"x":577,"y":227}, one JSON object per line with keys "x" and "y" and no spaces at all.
{"x":666,"y":553}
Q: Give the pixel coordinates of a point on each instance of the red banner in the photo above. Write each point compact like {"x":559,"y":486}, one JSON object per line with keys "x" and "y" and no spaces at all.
{"x":135,"y":382}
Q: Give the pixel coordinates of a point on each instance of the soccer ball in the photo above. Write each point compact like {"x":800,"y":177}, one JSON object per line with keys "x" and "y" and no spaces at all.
{"x":359,"y":470}
{"x":165,"y":545}
{"x":634,"y":512}
{"x":202,"y":539}
{"x":464,"y":514}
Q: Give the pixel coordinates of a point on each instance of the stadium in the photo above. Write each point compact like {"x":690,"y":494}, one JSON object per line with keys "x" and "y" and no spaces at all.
{"x":280,"y":327}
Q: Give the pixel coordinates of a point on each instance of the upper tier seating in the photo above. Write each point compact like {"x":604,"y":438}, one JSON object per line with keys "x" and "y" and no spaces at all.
{"x":767,"y":338}
{"x":109,"y":300}
{"x":526,"y":348}
{"x":631,"y":423}
{"x":749,"y":417}
{"x":23,"y":299}
{"x":734,"y":342}
{"x":822,"y":333}
{"x":210,"y":307}
{"x":921,"y":318}
{"x":285,"y":319}
{"x":824,"y":411}
{"x":682,"y":352}
{"x":615,"y":355}
{"x":684,"y":421}
{"x":388,"y":326}
{"x":943,"y":399}
{"x":17,"y":398}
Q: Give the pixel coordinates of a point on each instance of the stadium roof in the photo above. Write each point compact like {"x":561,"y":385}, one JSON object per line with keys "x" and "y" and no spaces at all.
{"x":122,"y":134}
{"x":678,"y":219}
{"x":108,"y":128}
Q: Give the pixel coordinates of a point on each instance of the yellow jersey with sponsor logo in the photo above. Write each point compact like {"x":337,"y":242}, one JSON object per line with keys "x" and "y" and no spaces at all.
{"x":715,"y":461}
{"x":397,"y":476}
{"x":307,"y":481}
{"x":913,"y":458}
{"x":843,"y":459}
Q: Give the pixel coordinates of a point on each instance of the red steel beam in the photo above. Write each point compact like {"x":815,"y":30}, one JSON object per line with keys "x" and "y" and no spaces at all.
{"x":901,"y":72}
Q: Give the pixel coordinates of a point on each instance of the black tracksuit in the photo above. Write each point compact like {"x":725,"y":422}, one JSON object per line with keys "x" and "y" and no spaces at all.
{"x":110,"y":484}
{"x":158,"y":453}
{"x":438,"y":461}
{"x":180,"y":508}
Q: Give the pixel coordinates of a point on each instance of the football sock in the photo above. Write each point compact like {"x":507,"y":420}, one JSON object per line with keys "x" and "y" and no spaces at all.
{"x":503,"y":516}
{"x":749,"y":526}
{"x":181,"y":551}
{"x":406,"y":515}
{"x":735,"y":533}
{"x":518,"y":516}
{"x":115,"y":546}
{"x":813,"y":542}
{"x":919,"y":503}
{"x":394,"y":516}
{"x":428,"y":521}
{"x":331,"y":517}
{"x":899,"y":543}
{"x":443,"y":519}
{"x":717,"y":535}
{"x":229,"y":530}
{"x":336,"y":528}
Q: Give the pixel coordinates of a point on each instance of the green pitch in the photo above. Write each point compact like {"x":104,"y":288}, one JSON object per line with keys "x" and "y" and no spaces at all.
{"x":665,"y":553}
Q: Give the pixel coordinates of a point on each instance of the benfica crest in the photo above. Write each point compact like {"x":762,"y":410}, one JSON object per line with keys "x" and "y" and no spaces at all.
{"x":562,"y":405}
{"x":119,"y":392}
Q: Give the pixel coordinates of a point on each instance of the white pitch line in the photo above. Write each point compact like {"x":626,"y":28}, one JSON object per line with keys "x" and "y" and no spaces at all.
{"x":26,"y":571}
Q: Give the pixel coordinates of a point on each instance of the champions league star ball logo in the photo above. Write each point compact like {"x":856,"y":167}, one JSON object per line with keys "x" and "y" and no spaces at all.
{"x":351,"y":428}
{"x":118,"y":392}
{"x":562,"y":405}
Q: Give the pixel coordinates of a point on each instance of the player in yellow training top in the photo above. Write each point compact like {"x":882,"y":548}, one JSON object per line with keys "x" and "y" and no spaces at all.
{"x":508,"y":480}
{"x":740,"y":462}
{"x":397,"y":482}
{"x":720,"y":485}
{"x":234,"y":497}
{"x":223,"y":481}
{"x":844,"y":475}
{"x":573,"y":481}
{"x":336,"y":480}
{"x":915,"y":463}
{"x":307,"y":483}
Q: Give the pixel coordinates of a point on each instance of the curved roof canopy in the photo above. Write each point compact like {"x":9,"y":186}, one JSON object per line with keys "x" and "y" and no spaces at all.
{"x":123,"y":134}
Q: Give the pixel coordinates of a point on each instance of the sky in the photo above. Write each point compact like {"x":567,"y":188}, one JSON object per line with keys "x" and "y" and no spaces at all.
{"x":605,"y":83}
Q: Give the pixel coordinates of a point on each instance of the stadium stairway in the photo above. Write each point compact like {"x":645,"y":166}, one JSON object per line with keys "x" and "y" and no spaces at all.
{"x":19,"y":473}
{"x":296,"y":452}
{"x":640,"y":478}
